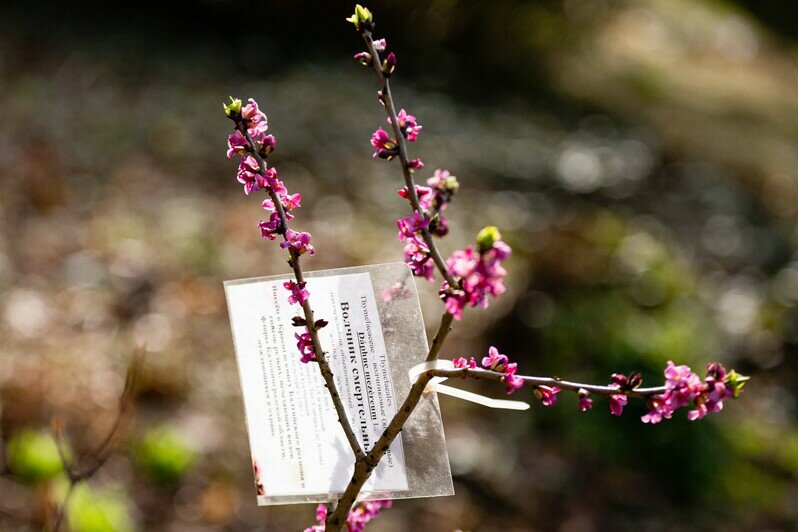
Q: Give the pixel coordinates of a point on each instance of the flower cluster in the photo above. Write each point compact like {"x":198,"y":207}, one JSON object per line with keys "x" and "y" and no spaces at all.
{"x":498,"y":362}
{"x":408,"y":125}
{"x":685,"y":388}
{"x":256,"y":124}
{"x":480,"y":273}
{"x":298,"y":293}
{"x":478,"y":270}
{"x":623,"y":384}
{"x":444,"y":185}
{"x":253,"y":145}
{"x":305,"y":345}
{"x":384,"y":146}
{"x":682,"y":388}
{"x":432,"y":200}
{"x":359,"y":516}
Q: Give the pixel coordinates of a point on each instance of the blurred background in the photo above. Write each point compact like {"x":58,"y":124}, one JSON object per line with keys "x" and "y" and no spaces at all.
{"x":639,"y":156}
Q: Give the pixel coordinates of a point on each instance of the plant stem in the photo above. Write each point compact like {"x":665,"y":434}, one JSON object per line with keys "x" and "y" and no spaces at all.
{"x":61,"y":515}
{"x":336,"y":519}
{"x":321,"y":357}
{"x":543,"y":381}
{"x":390,"y":110}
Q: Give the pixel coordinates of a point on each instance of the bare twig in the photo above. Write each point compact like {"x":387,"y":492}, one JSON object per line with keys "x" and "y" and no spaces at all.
{"x":321,"y":357}
{"x":88,"y":465}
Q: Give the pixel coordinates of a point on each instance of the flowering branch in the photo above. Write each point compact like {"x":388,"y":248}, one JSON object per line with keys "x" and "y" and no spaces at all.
{"x":408,"y":165}
{"x":471,"y":276}
{"x":555,"y":382}
{"x":249,"y":120}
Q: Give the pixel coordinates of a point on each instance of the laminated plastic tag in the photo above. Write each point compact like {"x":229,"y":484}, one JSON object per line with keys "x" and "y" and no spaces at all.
{"x":375,"y":336}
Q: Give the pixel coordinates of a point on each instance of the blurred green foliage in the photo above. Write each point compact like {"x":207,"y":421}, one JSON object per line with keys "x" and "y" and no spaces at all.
{"x":164,"y":455}
{"x":33,"y":455}
{"x":104,"y":510}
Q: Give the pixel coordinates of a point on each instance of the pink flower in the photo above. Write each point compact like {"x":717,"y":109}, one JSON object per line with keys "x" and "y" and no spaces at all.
{"x":379,"y":45}
{"x":358,"y":517}
{"x":289,"y":202}
{"x":617,"y":402}
{"x":409,"y":226}
{"x":461,"y":363}
{"x":424,"y":195}
{"x":258,"y":484}
{"x":585,"y":402}
{"x":321,"y":513}
{"x":415,"y":164}
{"x":444,"y":185}
{"x":455,"y":300}
{"x":417,"y":256}
{"x":363,"y":513}
{"x":481,"y":276}
{"x":658,"y":410}
{"x":514,"y":382}
{"x":249,"y":174}
{"x":494,"y":361}
{"x":236,"y":144}
{"x":407,"y":125}
{"x":547,"y":395}
{"x":273,"y":227}
{"x":416,"y":251}
{"x":253,"y":118}
{"x":384,"y":145}
{"x":292,"y":202}
{"x":305,"y":345}
{"x":271,"y":181}
{"x":299,"y":242}
{"x":298,"y":292}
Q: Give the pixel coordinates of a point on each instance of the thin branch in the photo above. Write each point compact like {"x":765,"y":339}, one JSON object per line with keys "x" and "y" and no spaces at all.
{"x":61,"y":515}
{"x":102,"y":452}
{"x":363,"y":468}
{"x":321,"y":357}
{"x":605,"y":391}
{"x":390,"y":110}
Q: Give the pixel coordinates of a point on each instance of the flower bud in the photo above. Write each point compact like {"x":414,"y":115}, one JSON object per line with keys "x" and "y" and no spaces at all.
{"x":487,"y":237}
{"x":233,"y":109}
{"x":415,"y":164}
{"x":585,"y":402}
{"x":364,"y":58}
{"x":736,"y":381}
{"x":451,"y":184}
{"x":361,"y":18}
{"x":268,"y":144}
{"x":389,"y":65}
